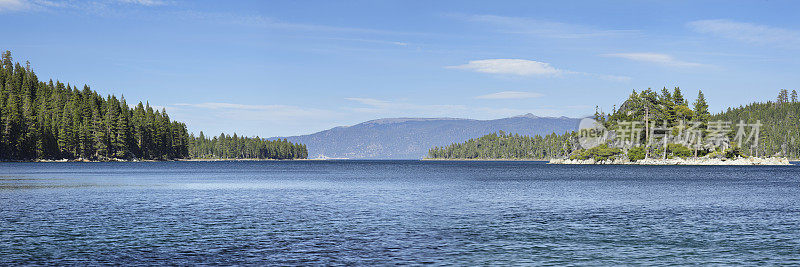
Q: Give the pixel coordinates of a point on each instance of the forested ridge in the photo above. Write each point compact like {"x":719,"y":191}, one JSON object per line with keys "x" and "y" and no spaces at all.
{"x":226,"y":146}
{"x":53,"y":120}
{"x":779,"y":134}
{"x":508,"y":146}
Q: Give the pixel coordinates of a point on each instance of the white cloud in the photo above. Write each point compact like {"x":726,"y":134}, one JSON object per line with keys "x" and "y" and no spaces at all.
{"x":523,"y":67}
{"x":516,"y":25}
{"x":662,"y":59}
{"x":509,"y":66}
{"x":747,"y":32}
{"x":510,"y":95}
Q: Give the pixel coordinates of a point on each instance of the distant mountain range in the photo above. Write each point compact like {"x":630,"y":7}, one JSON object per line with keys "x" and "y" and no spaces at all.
{"x":410,"y":138}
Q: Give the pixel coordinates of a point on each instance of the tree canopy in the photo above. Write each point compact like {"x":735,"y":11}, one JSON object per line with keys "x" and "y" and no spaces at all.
{"x":508,"y":146}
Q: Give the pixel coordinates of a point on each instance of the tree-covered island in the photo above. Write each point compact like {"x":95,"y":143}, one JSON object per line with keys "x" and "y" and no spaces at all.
{"x":661,"y":126}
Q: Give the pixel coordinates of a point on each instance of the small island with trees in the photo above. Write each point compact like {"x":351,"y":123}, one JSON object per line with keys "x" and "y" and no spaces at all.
{"x":663,"y":119}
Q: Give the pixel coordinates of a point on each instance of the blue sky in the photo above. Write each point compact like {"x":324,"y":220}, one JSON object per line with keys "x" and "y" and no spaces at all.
{"x":276,"y":68}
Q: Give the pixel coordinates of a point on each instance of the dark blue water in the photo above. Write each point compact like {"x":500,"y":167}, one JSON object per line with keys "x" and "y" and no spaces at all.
{"x":396,"y":212}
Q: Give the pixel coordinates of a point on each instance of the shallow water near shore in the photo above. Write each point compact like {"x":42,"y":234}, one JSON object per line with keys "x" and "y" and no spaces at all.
{"x":397,"y":212}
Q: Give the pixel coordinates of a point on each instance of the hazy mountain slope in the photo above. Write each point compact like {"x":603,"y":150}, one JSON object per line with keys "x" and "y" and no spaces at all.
{"x":410,"y":138}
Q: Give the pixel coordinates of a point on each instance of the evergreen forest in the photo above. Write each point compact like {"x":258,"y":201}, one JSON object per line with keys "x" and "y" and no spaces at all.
{"x":51,"y":120}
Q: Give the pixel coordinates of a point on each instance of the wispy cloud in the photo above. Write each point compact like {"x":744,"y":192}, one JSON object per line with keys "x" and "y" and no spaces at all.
{"x":248,"y":119}
{"x":517,"y":25}
{"x":13,"y":5}
{"x":371,"y":41}
{"x":220,"y":105}
{"x":118,"y":8}
{"x":145,"y":2}
{"x":524,"y":67}
{"x":384,"y":108}
{"x":661,"y":59}
{"x":510,"y":95}
{"x":369,"y":101}
{"x":101,"y":7}
{"x":388,"y":107}
{"x":748,"y":32}
{"x":272,"y":23}
{"x":612,"y":78}
{"x":520,"y":67}
{"x":258,"y":112}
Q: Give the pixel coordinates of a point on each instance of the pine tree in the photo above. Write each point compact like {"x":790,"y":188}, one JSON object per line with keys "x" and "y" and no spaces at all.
{"x":677,"y":96}
{"x":99,"y":136}
{"x":783,"y":96}
{"x":668,"y":103}
{"x":121,"y":136}
{"x":7,"y":61}
{"x":13,"y":125}
{"x":701,"y":108}
{"x":66,"y":135}
{"x":31,"y":132}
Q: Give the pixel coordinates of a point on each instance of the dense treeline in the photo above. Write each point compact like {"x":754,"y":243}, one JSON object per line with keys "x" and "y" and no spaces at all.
{"x":235,"y":147}
{"x":780,"y":133}
{"x":508,"y":146}
{"x":51,"y":120}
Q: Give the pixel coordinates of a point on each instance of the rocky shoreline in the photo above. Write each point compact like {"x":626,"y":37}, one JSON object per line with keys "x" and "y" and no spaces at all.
{"x":772,"y":161}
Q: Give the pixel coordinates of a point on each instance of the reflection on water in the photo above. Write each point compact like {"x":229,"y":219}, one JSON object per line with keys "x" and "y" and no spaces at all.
{"x":396,"y":212}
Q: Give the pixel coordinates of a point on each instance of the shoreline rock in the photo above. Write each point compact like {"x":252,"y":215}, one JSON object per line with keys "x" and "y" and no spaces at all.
{"x":772,"y":161}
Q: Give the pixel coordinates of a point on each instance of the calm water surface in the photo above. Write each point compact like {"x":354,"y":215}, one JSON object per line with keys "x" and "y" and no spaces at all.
{"x":396,"y":212}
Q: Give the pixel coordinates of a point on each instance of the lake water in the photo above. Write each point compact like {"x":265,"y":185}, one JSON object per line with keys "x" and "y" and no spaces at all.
{"x":397,"y":212}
